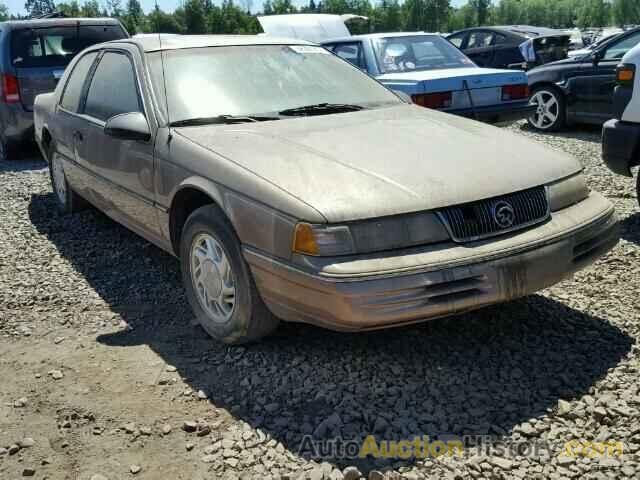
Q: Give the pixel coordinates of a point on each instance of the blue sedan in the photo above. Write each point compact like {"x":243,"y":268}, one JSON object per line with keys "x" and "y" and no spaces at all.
{"x":435,"y":74}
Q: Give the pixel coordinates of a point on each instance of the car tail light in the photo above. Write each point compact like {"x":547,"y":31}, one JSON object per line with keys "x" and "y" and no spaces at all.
{"x":432,"y":100}
{"x":515,"y":92}
{"x":625,"y":74}
{"x":10,"y":89}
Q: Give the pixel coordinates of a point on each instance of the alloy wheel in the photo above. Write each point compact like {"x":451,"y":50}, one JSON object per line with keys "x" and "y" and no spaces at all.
{"x":547,"y":109}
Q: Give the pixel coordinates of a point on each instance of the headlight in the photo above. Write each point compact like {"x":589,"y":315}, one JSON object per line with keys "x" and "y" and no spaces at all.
{"x":321,"y":240}
{"x":567,"y":192}
{"x":368,"y":236}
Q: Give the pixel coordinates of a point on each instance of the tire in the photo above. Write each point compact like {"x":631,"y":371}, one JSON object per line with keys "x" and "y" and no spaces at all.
{"x":7,"y":150}
{"x":638,"y":186}
{"x":67,"y":200}
{"x":234,"y":318}
{"x":551,"y":116}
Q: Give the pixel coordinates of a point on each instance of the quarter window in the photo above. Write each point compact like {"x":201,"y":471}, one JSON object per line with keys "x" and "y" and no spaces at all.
{"x":73,"y":89}
{"x":352,"y":53}
{"x":457,"y":40}
{"x":113,"y":88}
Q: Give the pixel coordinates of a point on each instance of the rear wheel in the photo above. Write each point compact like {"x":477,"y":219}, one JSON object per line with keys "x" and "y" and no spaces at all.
{"x":218,"y":282}
{"x":550,"y":113}
{"x":7,"y":150}
{"x":67,"y":200}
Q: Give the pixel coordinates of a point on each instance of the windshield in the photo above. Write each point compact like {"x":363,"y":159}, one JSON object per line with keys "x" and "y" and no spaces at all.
{"x":56,"y":46}
{"x":419,"y":52}
{"x":259,"y":79}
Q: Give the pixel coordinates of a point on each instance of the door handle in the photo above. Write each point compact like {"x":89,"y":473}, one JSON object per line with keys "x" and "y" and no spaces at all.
{"x":78,"y":135}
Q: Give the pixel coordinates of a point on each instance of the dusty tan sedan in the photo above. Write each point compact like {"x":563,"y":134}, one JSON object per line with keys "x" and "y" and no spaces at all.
{"x":291,"y":185}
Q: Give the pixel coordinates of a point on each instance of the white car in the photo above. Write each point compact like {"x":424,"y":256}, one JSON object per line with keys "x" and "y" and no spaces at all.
{"x":621,"y":135}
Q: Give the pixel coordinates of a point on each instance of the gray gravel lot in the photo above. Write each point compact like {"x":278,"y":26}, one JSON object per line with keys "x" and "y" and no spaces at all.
{"x":105,"y":375}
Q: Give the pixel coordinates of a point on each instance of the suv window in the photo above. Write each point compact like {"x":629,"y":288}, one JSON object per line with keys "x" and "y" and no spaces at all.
{"x":619,"y":49}
{"x":351,"y":52}
{"x":73,"y":89}
{"x":56,"y":46}
{"x":108,"y":97}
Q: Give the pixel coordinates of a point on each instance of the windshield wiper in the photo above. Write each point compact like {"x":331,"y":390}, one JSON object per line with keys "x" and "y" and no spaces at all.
{"x":227,"y":119}
{"x":321,"y":109}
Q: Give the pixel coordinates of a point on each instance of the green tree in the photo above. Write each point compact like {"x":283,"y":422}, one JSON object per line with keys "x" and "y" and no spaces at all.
{"x":4,"y":12}
{"x":194,"y":17}
{"x":35,"y":8}
{"x":626,"y":12}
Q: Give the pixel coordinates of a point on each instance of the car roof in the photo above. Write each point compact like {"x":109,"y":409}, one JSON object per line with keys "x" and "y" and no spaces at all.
{"x":380,"y":35}
{"x":58,"y":22}
{"x":530,"y":30}
{"x":154,"y":43}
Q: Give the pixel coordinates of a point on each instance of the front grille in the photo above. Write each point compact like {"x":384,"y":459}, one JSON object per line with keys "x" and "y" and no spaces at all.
{"x":493,"y":216}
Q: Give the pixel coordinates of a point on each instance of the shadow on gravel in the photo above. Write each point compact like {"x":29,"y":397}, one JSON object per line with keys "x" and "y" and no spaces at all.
{"x":474,"y":374}
{"x":28,"y":158}
{"x":630,"y":228}
{"x":587,"y":133}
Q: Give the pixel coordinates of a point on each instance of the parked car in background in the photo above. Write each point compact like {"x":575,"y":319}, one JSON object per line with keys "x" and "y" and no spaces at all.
{"x":437,"y":75}
{"x":33,"y":56}
{"x":592,"y":46}
{"x":621,"y":134}
{"x":424,"y":66}
{"x":515,"y":46}
{"x":304,"y":189}
{"x":580,"y":89}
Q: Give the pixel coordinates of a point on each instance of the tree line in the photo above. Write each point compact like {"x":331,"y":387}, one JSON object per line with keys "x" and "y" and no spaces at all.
{"x":203,"y":16}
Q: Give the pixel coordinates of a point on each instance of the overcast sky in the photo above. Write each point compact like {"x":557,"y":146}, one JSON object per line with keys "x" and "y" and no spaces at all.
{"x":17,"y":6}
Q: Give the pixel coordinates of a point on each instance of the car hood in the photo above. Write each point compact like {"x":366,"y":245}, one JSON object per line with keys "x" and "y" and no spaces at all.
{"x":452,"y":79}
{"x":384,"y":161}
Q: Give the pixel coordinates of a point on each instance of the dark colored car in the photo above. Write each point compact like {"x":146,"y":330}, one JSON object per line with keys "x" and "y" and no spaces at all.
{"x":579,"y":90}
{"x":520,"y":46}
{"x":33,"y":56}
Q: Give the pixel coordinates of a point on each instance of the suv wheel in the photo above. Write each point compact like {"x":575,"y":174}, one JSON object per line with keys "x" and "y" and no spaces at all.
{"x":218,"y":282}
{"x":550,"y":114}
{"x":67,"y":200}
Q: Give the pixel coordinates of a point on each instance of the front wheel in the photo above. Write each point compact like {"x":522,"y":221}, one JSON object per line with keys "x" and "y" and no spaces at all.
{"x":550,"y":113}
{"x":218,"y":282}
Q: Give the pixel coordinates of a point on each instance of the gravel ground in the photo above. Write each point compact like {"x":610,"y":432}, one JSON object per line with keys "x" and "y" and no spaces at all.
{"x":106,"y":377}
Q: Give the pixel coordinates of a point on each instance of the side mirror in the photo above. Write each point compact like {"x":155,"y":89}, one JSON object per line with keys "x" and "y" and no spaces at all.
{"x":597,"y":56}
{"x":128,"y":126}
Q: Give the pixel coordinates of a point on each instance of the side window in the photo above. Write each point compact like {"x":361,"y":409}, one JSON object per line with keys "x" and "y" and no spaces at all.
{"x":480,"y":39}
{"x":352,"y":53}
{"x":113,"y":89}
{"x":618,"y":49}
{"x":457,"y":40}
{"x":499,"y":39}
{"x":73,"y":89}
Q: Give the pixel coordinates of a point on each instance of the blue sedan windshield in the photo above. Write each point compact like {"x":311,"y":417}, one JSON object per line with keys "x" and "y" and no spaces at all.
{"x":418,"y":52}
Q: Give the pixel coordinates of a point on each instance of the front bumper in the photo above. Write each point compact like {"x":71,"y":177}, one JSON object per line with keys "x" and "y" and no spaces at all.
{"x":509,"y":112}
{"x":621,"y":146}
{"x":418,"y":284}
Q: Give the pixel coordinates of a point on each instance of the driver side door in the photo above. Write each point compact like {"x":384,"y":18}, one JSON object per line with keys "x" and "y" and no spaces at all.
{"x":593,"y":90}
{"x":122,"y":169}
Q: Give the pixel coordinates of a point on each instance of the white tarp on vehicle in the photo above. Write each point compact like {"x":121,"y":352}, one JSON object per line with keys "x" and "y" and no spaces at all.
{"x":313,"y":27}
